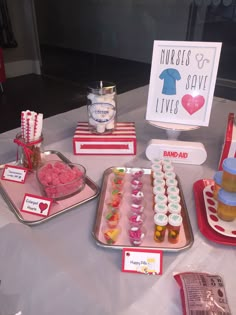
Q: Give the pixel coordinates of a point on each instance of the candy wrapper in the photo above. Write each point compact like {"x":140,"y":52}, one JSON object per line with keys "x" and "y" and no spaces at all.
{"x":202,"y":293}
{"x":30,"y":140}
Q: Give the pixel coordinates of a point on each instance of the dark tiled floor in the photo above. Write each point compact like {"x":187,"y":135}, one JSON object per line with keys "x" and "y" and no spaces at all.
{"x":65,"y":76}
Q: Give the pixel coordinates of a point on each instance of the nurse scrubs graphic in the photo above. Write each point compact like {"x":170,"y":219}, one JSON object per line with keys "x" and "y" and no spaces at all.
{"x":170,"y":76}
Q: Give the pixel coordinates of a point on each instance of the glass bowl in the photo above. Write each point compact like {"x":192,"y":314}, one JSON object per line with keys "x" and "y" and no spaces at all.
{"x":59,"y":180}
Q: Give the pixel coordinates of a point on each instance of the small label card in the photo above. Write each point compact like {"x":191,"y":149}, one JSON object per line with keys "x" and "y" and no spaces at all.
{"x":14,"y":173}
{"x":142,"y":261}
{"x":36,"y":205}
{"x":182,"y":82}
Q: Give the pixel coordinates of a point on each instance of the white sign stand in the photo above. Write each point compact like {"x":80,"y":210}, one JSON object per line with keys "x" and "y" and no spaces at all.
{"x":181,"y":91}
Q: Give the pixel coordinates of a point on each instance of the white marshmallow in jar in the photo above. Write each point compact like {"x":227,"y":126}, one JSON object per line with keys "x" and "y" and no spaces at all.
{"x":102,"y":107}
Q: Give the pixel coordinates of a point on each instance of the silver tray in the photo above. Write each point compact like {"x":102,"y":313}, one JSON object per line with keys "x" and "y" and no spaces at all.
{"x":14,"y":200}
{"x":186,"y":234}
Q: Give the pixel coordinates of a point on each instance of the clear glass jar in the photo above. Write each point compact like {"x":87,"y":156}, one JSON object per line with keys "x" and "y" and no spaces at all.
{"x":29,"y":154}
{"x":102,"y":107}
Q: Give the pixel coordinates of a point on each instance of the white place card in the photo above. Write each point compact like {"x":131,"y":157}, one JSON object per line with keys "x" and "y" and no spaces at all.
{"x":36,"y":205}
{"x":182,"y":82}
{"x":14,"y":173}
{"x":142,"y":261}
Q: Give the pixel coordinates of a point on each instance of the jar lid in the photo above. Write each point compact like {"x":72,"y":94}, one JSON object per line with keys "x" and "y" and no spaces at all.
{"x":174,"y":207}
{"x":166,"y":161}
{"x":175,"y":219}
{"x":218,"y":177}
{"x":158,"y":175}
{"x":161,"y":208}
{"x":226,"y":197}
{"x":157,"y":161}
{"x":159,"y":182}
{"x":160,"y":219}
{"x":160,"y":198}
{"x":170,"y":174}
{"x":229,"y":165}
{"x":158,"y":189}
{"x":171,"y":182}
{"x":173,"y":190}
{"x":168,"y":168}
{"x":156,"y":167}
{"x":173,"y":198}
{"x":102,"y":87}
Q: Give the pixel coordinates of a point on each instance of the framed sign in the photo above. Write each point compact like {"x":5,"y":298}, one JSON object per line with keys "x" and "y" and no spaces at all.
{"x":182,"y":82}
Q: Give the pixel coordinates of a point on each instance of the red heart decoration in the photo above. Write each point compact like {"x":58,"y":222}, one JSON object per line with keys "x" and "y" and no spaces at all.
{"x":192,"y":104}
{"x":43,"y":206}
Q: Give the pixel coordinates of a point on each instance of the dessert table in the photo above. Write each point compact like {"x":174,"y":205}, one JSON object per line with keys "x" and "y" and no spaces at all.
{"x":57,"y":268}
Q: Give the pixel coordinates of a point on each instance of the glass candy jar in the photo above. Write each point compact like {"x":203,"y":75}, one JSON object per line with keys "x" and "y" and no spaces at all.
{"x":29,"y":153}
{"x":102,"y":107}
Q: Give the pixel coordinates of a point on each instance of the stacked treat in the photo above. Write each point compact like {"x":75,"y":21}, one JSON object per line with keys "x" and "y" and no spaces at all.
{"x":167,"y":202}
{"x":225,"y":190}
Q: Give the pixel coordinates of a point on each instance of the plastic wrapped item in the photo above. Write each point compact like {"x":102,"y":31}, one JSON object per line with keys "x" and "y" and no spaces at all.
{"x":202,"y":294}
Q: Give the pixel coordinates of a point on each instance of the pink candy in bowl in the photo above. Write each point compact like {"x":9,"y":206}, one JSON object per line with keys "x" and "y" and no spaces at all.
{"x":59,"y":180}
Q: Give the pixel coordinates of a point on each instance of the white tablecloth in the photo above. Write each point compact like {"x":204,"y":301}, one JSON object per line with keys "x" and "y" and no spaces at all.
{"x":57,"y":268}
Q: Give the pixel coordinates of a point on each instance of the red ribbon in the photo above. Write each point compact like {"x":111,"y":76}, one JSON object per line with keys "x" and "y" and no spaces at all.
{"x":26,"y":149}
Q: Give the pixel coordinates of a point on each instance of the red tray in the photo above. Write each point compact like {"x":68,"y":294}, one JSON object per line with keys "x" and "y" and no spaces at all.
{"x":203,"y":224}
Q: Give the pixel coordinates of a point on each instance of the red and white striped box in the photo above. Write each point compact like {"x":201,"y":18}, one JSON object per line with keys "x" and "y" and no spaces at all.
{"x":229,"y":146}
{"x":122,"y":141}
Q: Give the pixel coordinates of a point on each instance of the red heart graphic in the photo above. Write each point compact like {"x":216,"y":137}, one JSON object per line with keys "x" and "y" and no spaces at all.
{"x":192,"y":104}
{"x":43,"y":206}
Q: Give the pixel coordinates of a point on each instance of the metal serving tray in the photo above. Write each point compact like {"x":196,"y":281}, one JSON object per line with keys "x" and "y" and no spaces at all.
{"x":14,"y":192}
{"x":186,"y":235}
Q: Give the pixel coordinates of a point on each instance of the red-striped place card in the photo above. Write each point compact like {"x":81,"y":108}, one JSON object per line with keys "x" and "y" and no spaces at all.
{"x":122,"y":141}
